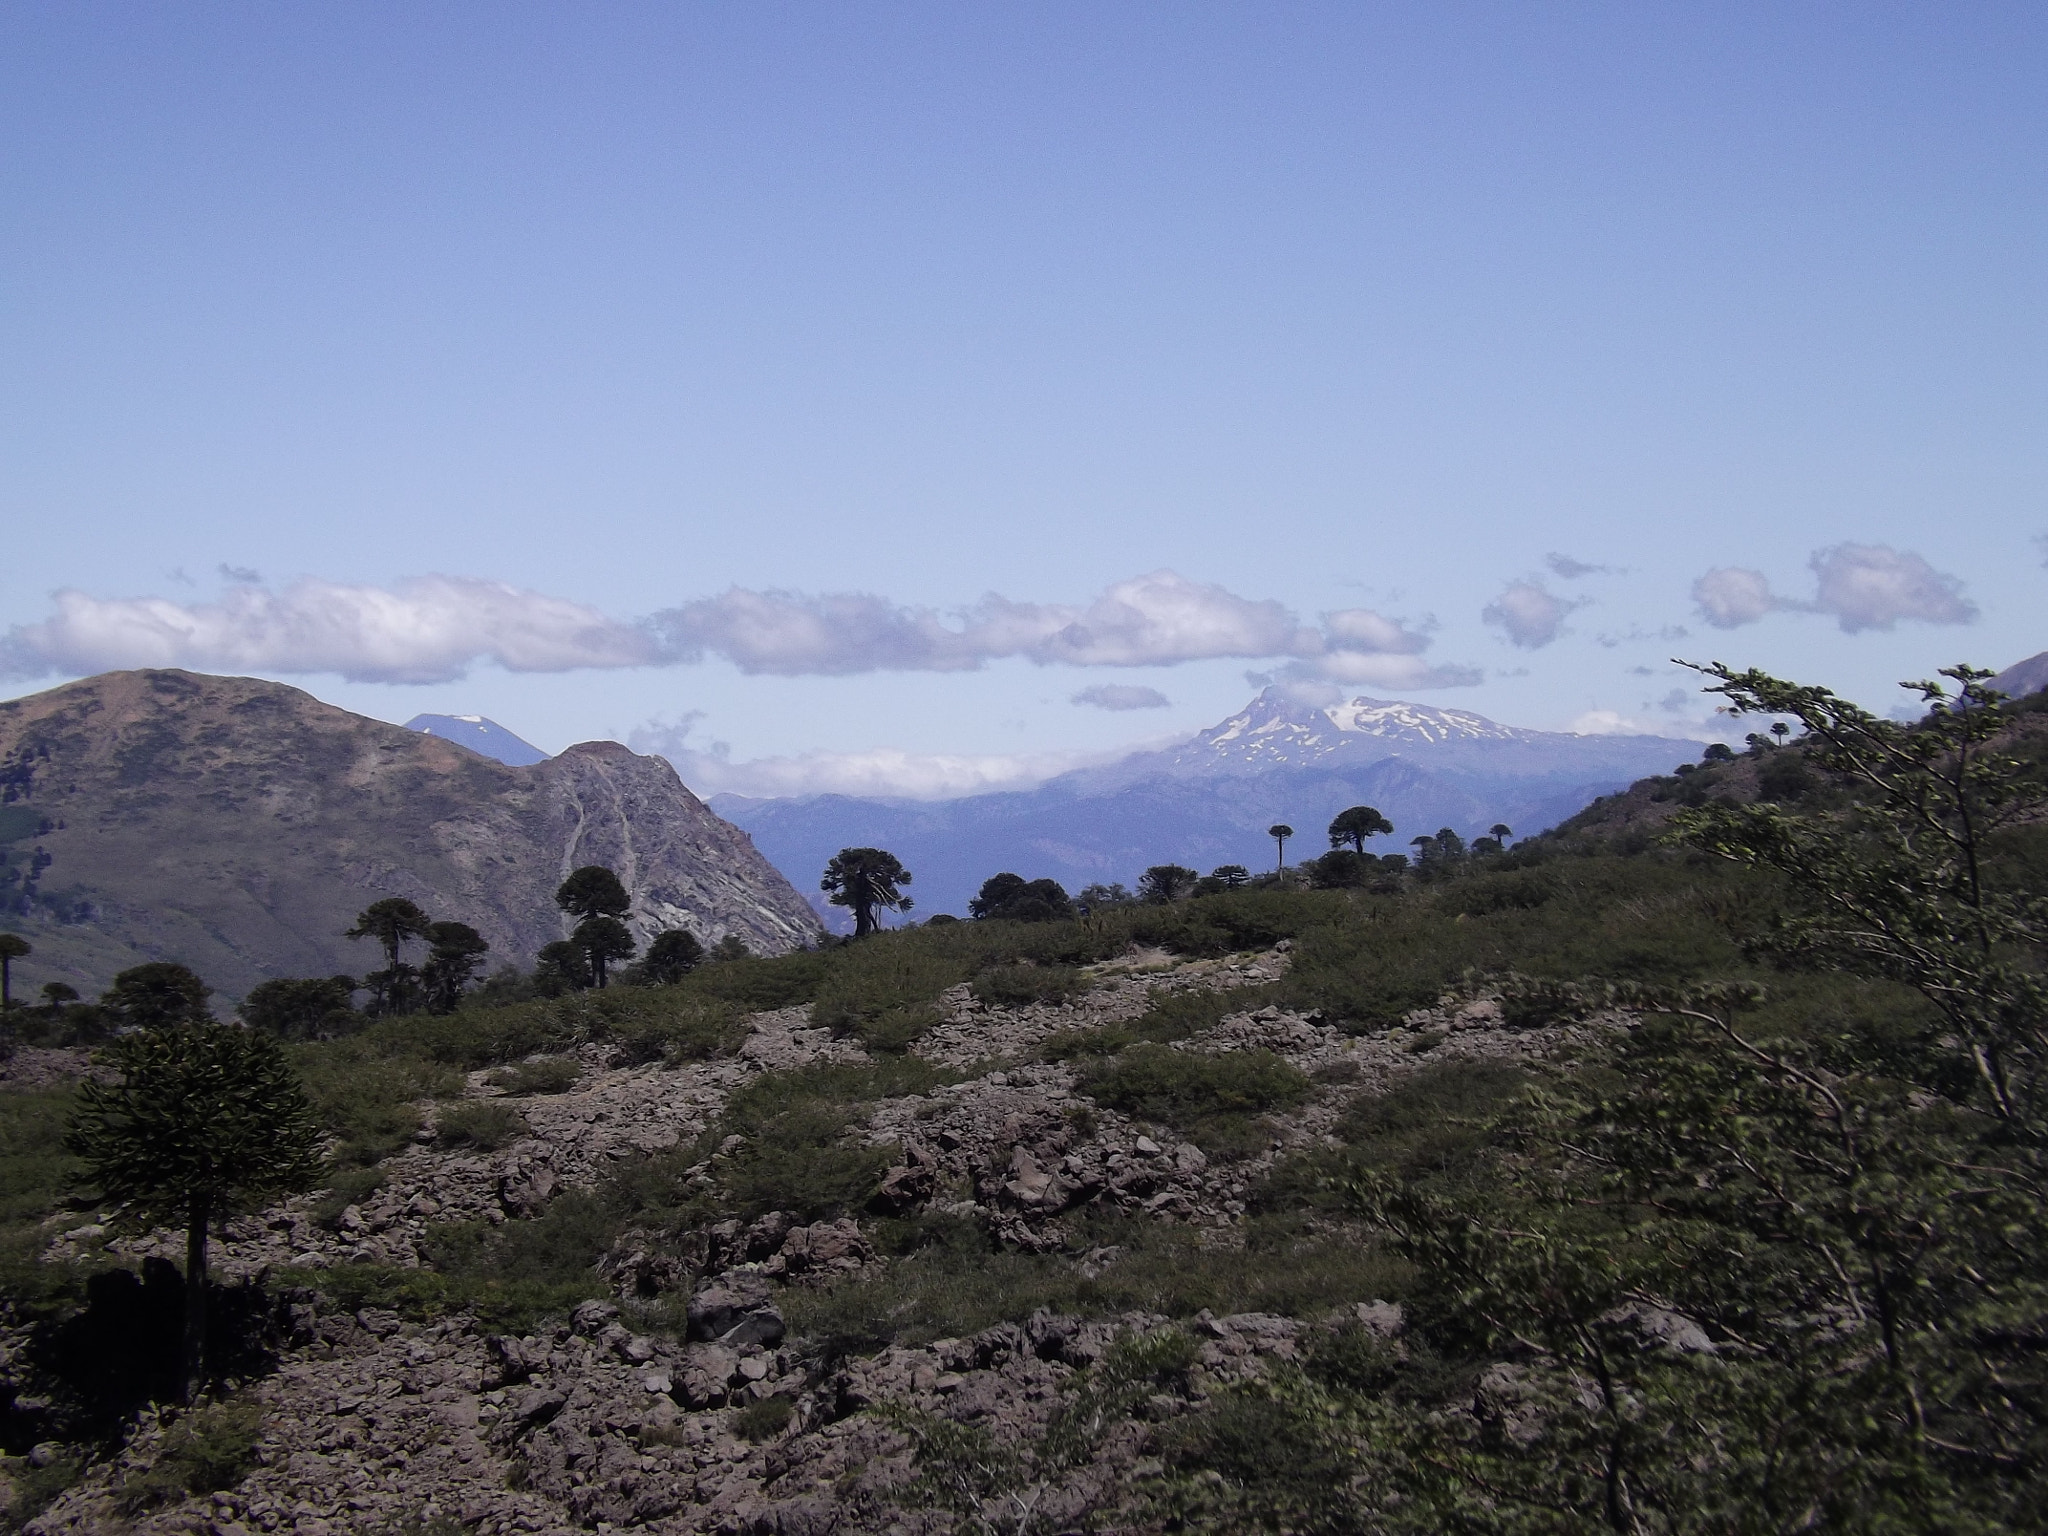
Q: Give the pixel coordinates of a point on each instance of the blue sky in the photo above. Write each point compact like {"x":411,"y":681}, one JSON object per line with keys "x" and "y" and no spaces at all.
{"x":833,"y":382}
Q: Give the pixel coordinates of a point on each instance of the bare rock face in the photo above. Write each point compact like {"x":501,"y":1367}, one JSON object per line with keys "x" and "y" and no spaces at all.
{"x":238,"y":826}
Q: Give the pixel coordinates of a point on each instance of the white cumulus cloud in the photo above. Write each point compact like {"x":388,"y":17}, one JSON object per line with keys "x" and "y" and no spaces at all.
{"x":1530,"y":612}
{"x":1871,"y":586}
{"x":432,"y":629}
{"x":1120,"y":696}
{"x":1860,"y":586}
{"x":1731,"y":596}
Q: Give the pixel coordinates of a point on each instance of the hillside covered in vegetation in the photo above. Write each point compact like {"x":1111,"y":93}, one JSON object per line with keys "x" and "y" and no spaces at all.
{"x":1677,"y":1171}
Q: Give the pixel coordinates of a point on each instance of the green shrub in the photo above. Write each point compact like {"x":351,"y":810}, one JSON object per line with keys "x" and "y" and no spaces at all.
{"x":367,"y":1099}
{"x":1207,"y":1098}
{"x":548,"y":1074}
{"x":346,"y":1187}
{"x":205,"y":1451}
{"x":1172,"y":1016}
{"x":481,"y":1123}
{"x":885,"y":988}
{"x":37,"y":1488}
{"x":1015,"y":986}
{"x":763,"y":1420}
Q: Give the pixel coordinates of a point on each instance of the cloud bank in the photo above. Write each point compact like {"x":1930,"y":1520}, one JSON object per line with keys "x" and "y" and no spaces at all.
{"x":878,"y":773}
{"x":435,"y":628}
{"x":429,"y":630}
{"x":1861,"y":586}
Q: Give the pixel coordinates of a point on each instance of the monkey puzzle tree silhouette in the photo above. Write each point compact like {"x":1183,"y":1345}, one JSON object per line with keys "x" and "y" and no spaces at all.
{"x":157,"y":994}
{"x":1280,"y":832}
{"x":205,"y":1117}
{"x":672,"y":956}
{"x":454,"y":953}
{"x":864,"y":879}
{"x":393,"y":922}
{"x":1356,"y":825}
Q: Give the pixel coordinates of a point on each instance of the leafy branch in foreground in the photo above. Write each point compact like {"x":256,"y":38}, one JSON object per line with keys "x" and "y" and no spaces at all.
{"x":1748,"y":1268}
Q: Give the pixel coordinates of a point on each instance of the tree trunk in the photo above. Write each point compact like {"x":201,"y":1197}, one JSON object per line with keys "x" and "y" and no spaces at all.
{"x":192,"y":1358}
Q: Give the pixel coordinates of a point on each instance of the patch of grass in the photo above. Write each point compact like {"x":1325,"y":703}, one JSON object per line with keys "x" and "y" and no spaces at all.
{"x":546,"y":1074}
{"x":37,"y":1488}
{"x":481,"y":1123}
{"x":366,"y":1099}
{"x":1016,"y":986}
{"x":953,"y":1281}
{"x":346,"y":1187}
{"x":1171,"y":1016}
{"x":38,"y":1171}
{"x":884,"y":990}
{"x":205,"y":1451}
{"x":1432,"y":1129}
{"x":1209,"y":1099}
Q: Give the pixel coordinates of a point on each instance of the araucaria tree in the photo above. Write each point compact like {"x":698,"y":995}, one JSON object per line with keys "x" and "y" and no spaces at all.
{"x":1354,"y":826}
{"x":594,"y":895}
{"x":393,"y":922}
{"x":454,"y":953}
{"x":1280,"y":832}
{"x":866,"y":880}
{"x":205,"y":1118}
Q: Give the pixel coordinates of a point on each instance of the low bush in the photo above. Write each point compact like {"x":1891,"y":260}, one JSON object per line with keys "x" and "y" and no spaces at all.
{"x":1172,"y":1016}
{"x":367,"y":1099}
{"x":764,"y":1419}
{"x":484,"y":1124}
{"x":345,"y":1187}
{"x":546,"y":1074}
{"x":208,"y":1449}
{"x":1016,"y":986}
{"x":1209,"y":1099}
{"x":884,"y":989}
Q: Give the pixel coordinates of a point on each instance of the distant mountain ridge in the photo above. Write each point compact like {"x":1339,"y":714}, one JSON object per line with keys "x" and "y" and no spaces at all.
{"x":238,"y":826}
{"x":1210,"y":799}
{"x":480,"y":735}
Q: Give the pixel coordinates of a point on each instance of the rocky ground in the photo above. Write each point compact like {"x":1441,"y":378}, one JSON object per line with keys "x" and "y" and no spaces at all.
{"x":373,"y":1424}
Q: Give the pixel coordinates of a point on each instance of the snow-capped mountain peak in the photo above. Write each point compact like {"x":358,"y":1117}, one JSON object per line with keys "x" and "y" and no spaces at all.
{"x":1275,"y":731}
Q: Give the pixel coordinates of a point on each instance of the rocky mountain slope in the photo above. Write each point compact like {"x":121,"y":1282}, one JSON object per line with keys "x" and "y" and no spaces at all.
{"x":238,"y":826}
{"x":379,"y":1422}
{"x":1210,"y":800}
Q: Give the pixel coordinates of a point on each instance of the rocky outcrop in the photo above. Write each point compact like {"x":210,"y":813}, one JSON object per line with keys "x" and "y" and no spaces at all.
{"x":238,"y":826}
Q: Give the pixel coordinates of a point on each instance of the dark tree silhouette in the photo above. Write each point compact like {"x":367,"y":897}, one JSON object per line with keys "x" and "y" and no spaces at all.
{"x":1166,"y":882}
{"x":1012,"y":898}
{"x":732,"y":947}
{"x":455,"y":952}
{"x":1231,"y":876}
{"x":560,"y":967}
{"x":865,"y":879}
{"x":1280,"y":832}
{"x":593,"y":891}
{"x":156,"y":996}
{"x":293,"y":1009}
{"x":1354,"y":826}
{"x":672,"y":956}
{"x":12,"y":948}
{"x":205,"y":1117}
{"x":393,"y":922}
{"x":602,"y":940}
{"x":1500,"y":832}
